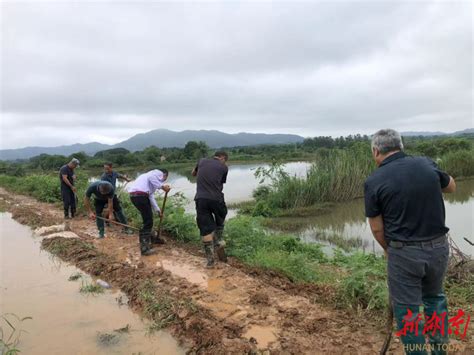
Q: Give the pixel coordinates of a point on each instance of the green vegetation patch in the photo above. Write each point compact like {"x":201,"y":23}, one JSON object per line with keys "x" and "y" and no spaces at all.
{"x":91,"y":288}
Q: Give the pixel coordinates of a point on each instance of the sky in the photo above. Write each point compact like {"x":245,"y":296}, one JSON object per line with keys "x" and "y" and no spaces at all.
{"x":76,"y":72}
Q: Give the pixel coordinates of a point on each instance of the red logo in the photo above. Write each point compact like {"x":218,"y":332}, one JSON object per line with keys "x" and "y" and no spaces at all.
{"x":457,"y":324}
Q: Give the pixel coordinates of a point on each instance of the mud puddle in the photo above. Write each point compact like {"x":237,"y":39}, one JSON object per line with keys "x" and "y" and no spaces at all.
{"x":263,"y":336}
{"x":65,"y":321}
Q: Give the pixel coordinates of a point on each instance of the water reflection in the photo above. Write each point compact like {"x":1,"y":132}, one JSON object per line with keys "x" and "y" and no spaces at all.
{"x":65,"y":321}
{"x":348,"y":220}
{"x":464,"y":192}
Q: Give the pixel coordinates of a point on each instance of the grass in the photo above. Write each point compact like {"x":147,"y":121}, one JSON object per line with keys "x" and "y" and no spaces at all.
{"x":75,"y":276}
{"x":10,"y":333}
{"x":336,"y":175}
{"x":43,"y":187}
{"x":358,"y":279}
{"x":458,"y":163}
{"x":161,"y":308}
{"x":90,"y":288}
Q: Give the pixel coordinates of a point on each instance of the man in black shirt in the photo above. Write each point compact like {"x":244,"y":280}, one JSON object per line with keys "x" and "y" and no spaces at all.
{"x":405,"y":208}
{"x":210,"y":205}
{"x":68,"y":191}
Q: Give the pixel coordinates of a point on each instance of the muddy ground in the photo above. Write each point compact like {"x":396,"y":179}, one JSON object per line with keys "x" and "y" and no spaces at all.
{"x":229,"y":309}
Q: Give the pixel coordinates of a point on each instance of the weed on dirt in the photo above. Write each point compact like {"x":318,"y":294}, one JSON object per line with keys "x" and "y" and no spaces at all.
{"x":90,"y":288}
{"x":74,"y":277}
{"x":107,"y":339}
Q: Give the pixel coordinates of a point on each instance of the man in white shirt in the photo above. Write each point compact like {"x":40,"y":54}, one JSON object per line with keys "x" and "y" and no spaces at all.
{"x":142,"y":196}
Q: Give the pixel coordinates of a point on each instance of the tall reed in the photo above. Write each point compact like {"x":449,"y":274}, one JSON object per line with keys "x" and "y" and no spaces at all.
{"x":336,"y":175}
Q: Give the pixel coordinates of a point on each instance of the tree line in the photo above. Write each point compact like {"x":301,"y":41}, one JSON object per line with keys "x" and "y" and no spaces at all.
{"x":193,"y":150}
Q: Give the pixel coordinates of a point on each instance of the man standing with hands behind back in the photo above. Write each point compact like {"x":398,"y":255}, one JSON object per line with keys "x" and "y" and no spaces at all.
{"x":211,"y":209}
{"x":405,"y":207}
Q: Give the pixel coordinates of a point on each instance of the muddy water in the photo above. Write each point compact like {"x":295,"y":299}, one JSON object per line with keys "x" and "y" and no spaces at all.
{"x":241,"y":181}
{"x":349,"y":221}
{"x":65,"y":321}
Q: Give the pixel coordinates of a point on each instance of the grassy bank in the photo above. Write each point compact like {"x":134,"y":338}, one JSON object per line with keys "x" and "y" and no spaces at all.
{"x":335,"y":176}
{"x":358,"y":280}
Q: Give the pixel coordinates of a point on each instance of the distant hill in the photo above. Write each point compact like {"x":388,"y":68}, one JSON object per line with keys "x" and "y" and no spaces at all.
{"x":160,"y":138}
{"x":214,"y":139}
{"x":28,"y":152}
{"x":432,"y":134}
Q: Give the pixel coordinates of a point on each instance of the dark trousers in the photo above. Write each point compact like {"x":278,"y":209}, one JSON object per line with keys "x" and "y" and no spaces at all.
{"x":99,"y":208}
{"x":415,"y":277}
{"x":69,"y":201}
{"x":118,"y":211}
{"x":210,"y":215}
{"x":143,"y":205}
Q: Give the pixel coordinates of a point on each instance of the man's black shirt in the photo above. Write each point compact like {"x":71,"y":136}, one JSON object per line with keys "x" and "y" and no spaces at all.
{"x":66,"y":170}
{"x":406,"y":191}
{"x":211,"y":177}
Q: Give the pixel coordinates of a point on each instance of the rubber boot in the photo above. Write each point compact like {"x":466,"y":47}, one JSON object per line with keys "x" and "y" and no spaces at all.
{"x":209,"y":250}
{"x":437,"y":304}
{"x":414,"y":340}
{"x":145,"y":242}
{"x":219,"y":244}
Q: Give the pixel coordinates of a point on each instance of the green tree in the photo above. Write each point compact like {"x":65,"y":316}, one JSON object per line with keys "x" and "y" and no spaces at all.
{"x":195,"y":150}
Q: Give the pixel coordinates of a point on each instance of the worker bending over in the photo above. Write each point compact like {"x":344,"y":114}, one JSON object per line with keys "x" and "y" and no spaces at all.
{"x":103,"y":192}
{"x":142,"y":192}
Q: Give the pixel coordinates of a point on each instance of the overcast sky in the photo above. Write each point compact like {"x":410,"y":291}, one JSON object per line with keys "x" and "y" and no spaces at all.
{"x":104,"y":71}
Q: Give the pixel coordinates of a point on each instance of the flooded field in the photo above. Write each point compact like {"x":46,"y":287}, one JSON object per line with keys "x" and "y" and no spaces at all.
{"x":346,"y":220}
{"x":65,"y":321}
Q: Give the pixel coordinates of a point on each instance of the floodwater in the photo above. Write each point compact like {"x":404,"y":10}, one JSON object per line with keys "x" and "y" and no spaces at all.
{"x":346,"y":219}
{"x":64,"y":321}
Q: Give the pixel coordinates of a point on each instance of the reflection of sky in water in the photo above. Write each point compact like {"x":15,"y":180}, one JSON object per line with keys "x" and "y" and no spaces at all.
{"x":240,"y":184}
{"x":346,"y":219}
{"x":349,"y":221}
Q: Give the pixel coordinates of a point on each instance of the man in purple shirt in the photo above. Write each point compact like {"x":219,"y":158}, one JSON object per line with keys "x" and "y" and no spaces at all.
{"x":142,"y":196}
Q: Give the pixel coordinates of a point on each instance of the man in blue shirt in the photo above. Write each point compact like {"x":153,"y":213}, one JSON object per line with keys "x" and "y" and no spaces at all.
{"x":405,"y":208}
{"x":111,"y":176}
{"x":103,"y":192}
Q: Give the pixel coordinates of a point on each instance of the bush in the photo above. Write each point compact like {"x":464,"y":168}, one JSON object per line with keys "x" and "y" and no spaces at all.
{"x":336,"y":175}
{"x":365,"y":285}
{"x":458,"y":163}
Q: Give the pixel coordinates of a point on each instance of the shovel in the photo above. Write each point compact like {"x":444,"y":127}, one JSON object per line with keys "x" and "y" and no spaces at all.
{"x":117,"y":223}
{"x":158,"y":232}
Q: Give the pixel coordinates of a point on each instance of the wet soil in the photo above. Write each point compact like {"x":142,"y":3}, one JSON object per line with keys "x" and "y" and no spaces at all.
{"x":229,"y":309}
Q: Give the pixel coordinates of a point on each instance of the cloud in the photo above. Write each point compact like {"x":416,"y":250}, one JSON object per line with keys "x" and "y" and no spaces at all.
{"x":109,"y":70}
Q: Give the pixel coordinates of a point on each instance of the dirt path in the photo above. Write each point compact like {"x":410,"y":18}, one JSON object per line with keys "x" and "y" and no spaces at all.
{"x":235,"y":312}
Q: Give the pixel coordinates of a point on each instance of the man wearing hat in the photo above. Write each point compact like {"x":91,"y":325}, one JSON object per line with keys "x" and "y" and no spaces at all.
{"x":68,"y":191}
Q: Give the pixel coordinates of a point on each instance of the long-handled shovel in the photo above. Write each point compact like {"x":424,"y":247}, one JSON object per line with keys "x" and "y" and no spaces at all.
{"x":156,"y":239}
{"x":117,"y":223}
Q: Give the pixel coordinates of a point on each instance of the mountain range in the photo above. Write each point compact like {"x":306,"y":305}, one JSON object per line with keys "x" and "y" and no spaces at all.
{"x":165,"y":138}
{"x":161,"y":138}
